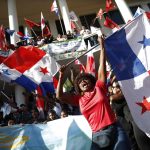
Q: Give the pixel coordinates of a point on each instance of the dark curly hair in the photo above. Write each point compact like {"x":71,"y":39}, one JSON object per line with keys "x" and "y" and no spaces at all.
{"x":80,"y":77}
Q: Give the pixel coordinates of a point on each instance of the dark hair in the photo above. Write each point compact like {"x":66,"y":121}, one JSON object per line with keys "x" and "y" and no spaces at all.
{"x":80,"y":77}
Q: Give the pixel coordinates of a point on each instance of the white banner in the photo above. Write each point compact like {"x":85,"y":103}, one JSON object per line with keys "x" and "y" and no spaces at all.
{"x":66,"y":46}
{"x":71,"y":133}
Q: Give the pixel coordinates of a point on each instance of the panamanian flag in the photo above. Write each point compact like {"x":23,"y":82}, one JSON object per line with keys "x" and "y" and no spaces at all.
{"x":128,"y":51}
{"x":31,"y":68}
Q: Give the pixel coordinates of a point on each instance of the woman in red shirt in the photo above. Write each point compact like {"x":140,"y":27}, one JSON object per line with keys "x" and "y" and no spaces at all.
{"x":94,"y":104}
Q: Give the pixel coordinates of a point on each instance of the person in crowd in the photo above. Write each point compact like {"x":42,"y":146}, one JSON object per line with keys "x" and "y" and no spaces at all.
{"x":64,"y":113}
{"x":138,"y":138}
{"x":76,"y":33}
{"x":25,"y":115}
{"x":94,"y":105}
{"x":69,"y":35}
{"x":11,"y":122}
{"x":2,"y":121}
{"x":52,"y":115}
{"x":40,"y":41}
{"x":59,"y":37}
{"x":118,"y":104}
{"x":35,"y":117}
{"x":84,"y":31}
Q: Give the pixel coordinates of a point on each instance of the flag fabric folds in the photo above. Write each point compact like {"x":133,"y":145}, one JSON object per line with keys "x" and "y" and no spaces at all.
{"x":90,"y":66}
{"x":110,"y":24}
{"x":3,"y":42}
{"x":46,"y":31}
{"x":31,"y":68}
{"x":82,"y":68}
{"x":109,"y":5}
{"x":10,"y":32}
{"x":128,"y":51}
{"x":30,"y":23}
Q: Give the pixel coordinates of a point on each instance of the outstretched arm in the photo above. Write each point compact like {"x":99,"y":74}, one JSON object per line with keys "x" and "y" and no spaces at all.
{"x":102,"y":61}
{"x":60,"y":95}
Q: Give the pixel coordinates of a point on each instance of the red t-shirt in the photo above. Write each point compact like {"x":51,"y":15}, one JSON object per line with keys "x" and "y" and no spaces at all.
{"x":95,"y":107}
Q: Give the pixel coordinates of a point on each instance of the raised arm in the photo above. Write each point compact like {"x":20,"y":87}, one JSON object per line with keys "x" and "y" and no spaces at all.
{"x":60,"y":95}
{"x":102,"y":61}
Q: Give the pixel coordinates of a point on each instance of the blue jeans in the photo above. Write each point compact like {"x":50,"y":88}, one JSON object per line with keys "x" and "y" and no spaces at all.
{"x":111,"y":138}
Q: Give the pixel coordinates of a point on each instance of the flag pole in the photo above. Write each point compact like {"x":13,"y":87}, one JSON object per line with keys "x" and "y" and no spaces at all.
{"x":34,"y":32}
{"x":60,"y":23}
{"x":77,"y":24}
{"x":81,"y":55}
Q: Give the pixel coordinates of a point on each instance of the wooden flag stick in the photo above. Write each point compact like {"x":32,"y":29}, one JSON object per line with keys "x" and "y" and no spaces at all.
{"x":81,"y":55}
{"x":34,"y":32}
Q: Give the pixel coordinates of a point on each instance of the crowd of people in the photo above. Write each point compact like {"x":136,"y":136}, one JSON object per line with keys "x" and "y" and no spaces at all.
{"x":100,"y":100}
{"x":40,"y":40}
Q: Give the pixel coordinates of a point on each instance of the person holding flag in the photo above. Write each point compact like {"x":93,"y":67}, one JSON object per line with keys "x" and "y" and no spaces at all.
{"x":92,"y":99}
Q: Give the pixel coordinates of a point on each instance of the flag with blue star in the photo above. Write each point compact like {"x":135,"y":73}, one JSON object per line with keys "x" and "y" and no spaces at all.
{"x":145,"y":41}
{"x":128,"y":52}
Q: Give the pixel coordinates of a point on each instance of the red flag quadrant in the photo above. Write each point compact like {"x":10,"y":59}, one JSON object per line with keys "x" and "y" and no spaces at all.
{"x":3,"y":42}
{"x":82,"y":67}
{"x":90,"y":66}
{"x":30,"y":23}
{"x":110,"y":23}
{"x":109,"y":5}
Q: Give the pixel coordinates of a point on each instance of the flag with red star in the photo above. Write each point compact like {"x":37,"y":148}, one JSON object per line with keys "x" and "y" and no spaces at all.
{"x":128,"y":52}
{"x":31,"y":68}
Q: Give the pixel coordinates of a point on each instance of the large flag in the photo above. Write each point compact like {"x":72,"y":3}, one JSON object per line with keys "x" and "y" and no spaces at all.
{"x":3,"y":42}
{"x":30,"y":23}
{"x":90,"y":66}
{"x":42,"y":23}
{"x":54,"y":7}
{"x":128,"y":51}
{"x":31,"y":68}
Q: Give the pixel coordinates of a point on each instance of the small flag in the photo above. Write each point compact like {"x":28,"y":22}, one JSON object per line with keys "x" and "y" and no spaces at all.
{"x":46,"y":31}
{"x":30,"y":23}
{"x":110,"y":24}
{"x":73,"y":16}
{"x":42,"y":23}
{"x":90,"y":66}
{"x":54,"y":7}
{"x":109,"y":5}
{"x":3,"y":42}
{"x":100,"y":14}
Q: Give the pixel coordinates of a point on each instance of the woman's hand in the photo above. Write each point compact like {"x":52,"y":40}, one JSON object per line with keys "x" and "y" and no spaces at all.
{"x":101,"y":40}
{"x":61,"y":70}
